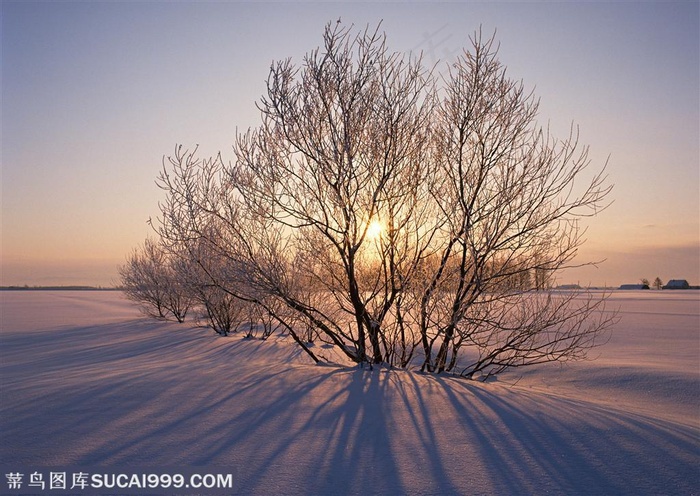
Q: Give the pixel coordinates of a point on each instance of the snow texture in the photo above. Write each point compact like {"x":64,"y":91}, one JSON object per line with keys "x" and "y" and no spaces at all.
{"x":88,"y":383}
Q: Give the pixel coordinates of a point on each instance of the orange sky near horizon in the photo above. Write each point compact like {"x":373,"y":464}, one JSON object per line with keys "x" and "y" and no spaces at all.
{"x":94,"y":94}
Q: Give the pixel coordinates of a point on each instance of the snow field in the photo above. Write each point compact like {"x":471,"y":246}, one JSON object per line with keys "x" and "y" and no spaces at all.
{"x":87,"y":382}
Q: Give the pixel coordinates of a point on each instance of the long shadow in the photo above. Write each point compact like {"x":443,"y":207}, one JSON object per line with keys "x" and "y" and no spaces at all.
{"x":185,"y":400}
{"x":347,"y":440}
{"x":533,"y":444}
{"x":336,"y":444}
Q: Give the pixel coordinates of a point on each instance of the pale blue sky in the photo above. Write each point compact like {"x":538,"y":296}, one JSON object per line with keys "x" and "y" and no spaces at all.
{"x":94,"y":94}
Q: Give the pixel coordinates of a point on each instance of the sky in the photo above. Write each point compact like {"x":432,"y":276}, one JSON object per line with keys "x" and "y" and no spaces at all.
{"x":94,"y":94}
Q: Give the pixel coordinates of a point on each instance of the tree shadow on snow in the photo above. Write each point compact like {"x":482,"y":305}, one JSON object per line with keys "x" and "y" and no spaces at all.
{"x":298,"y":429}
{"x":536,"y":443}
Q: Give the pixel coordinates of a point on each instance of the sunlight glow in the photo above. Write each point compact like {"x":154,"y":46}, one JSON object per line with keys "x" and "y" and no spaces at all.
{"x":374,"y":230}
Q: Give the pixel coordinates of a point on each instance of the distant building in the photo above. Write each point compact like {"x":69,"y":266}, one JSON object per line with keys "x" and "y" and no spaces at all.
{"x":634,"y":286}
{"x":677,"y":284}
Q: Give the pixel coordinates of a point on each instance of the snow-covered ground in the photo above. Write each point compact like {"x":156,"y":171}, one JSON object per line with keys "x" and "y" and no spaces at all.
{"x":88,"y":383}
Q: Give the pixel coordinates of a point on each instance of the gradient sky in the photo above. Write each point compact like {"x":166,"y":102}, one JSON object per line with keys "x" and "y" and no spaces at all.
{"x":94,"y":94}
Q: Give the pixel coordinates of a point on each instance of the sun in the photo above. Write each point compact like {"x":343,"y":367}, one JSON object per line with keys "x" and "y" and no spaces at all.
{"x":374,"y":229}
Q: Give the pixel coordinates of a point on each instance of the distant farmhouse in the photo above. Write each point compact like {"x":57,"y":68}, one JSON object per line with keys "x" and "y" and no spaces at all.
{"x":634,"y":286}
{"x":672,"y":284}
{"x":677,"y":284}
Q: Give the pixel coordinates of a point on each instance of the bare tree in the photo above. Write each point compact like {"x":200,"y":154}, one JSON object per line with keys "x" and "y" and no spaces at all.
{"x":226,"y":243}
{"x":398,"y":212}
{"x":658,"y":284}
{"x":200,"y":272}
{"x":513,"y":200}
{"x":345,"y":142}
{"x":149,"y":279}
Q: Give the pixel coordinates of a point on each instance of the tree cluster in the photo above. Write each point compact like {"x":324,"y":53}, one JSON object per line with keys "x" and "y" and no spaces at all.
{"x":657,"y":284}
{"x":404,"y":215}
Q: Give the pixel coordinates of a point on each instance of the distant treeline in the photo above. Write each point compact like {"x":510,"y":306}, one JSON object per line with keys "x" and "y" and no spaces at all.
{"x":56,"y":288}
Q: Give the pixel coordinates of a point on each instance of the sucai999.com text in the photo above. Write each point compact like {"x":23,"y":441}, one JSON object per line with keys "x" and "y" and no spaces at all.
{"x":57,"y":481}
